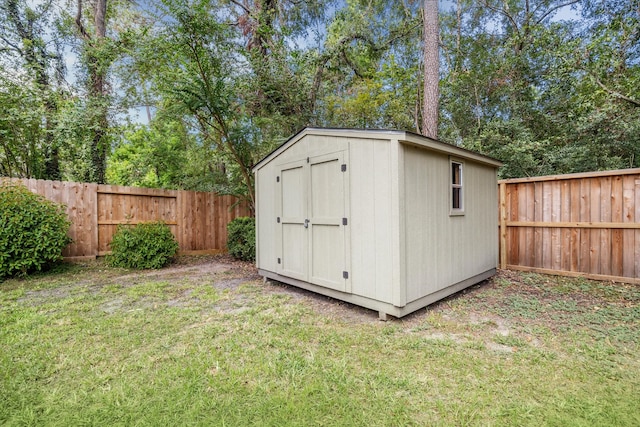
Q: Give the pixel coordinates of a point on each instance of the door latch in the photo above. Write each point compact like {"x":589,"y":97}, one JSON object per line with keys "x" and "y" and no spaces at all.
{"x":306,"y":223}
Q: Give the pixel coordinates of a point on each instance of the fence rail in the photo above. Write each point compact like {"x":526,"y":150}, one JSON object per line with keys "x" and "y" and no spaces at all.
{"x":578,"y":224}
{"x":197,"y":219}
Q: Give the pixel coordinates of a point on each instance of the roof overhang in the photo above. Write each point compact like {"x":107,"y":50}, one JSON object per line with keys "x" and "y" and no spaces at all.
{"x":405,"y":137}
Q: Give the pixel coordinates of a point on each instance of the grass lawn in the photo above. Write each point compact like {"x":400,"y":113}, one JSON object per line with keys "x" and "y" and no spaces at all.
{"x":205,"y":342}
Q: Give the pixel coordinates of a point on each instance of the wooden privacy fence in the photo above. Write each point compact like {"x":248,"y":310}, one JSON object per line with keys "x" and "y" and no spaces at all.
{"x":578,"y":225}
{"x":197,"y":219}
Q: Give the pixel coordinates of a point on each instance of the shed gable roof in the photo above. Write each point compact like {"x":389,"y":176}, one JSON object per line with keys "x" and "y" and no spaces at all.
{"x":402,"y":136}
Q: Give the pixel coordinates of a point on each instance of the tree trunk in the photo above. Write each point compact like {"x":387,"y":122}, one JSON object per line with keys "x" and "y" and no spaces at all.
{"x":99,"y":147}
{"x":431,"y":69}
{"x":97,"y":67}
{"x":52,"y":156}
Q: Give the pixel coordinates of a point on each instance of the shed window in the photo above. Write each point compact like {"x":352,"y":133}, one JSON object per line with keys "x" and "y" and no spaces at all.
{"x":457,"y":200}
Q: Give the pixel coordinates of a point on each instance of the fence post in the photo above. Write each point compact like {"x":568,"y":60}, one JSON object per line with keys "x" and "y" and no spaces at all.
{"x":94,"y":221}
{"x":179,"y":219}
{"x":503,"y":225}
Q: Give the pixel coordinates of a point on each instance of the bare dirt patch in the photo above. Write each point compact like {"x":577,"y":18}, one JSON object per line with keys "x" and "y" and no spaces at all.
{"x":511,"y":307}
{"x":198,"y":267}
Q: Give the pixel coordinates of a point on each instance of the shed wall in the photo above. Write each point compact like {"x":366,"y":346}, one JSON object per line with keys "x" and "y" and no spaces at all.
{"x":371,"y":205}
{"x":440,"y":249}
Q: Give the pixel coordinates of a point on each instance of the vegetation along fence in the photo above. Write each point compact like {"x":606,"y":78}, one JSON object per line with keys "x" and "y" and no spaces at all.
{"x":197,"y":219}
{"x":577,"y":225}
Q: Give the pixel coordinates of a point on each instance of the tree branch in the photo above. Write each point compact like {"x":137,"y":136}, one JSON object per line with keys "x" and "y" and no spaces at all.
{"x":553,"y":9}
{"x":617,"y":94}
{"x":503,"y":13}
{"x":240,"y":5}
{"x":79,"y":25}
{"x":11,"y":45}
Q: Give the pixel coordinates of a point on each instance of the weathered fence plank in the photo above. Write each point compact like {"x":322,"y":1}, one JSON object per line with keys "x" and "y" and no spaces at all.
{"x":197,"y":219}
{"x":579,"y":224}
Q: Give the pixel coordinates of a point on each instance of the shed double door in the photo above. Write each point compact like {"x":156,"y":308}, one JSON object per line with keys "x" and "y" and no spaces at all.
{"x":313,"y":228}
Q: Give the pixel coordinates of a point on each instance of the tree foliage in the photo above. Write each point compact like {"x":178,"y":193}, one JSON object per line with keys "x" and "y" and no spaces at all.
{"x":524,"y":87}
{"x":22,"y":145}
{"x":24,"y":30}
{"x":546,"y":86}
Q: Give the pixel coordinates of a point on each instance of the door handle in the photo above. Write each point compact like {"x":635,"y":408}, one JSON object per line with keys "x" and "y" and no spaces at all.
{"x":306,"y":223}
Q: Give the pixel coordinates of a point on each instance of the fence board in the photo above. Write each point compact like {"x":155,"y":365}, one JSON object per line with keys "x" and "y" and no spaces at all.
{"x":574,"y":215}
{"x":594,"y":256}
{"x":197,"y":219}
{"x":605,"y":249}
{"x":88,"y":220}
{"x":68,"y":193}
{"x":565,"y":234}
{"x":585,"y":235}
{"x":555,"y":231}
{"x":502,"y":208}
{"x":616,"y":234}
{"x":514,"y":253}
{"x":546,"y":232}
{"x":537,"y":234}
{"x":580,"y":224}
{"x":529,"y":239}
{"x":637,"y":232}
{"x":207,"y":225}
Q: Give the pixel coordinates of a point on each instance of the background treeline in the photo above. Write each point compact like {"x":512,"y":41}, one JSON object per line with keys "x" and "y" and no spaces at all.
{"x":222,"y":82}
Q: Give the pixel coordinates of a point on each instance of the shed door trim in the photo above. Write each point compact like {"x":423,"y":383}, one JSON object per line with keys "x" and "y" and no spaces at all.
{"x":312,"y":240}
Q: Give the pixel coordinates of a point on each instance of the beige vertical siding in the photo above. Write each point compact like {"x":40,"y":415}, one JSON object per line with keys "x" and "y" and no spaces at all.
{"x":440,"y":249}
{"x":371,"y":220}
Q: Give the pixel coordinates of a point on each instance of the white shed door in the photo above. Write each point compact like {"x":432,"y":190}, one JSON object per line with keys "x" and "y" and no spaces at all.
{"x":314,"y":222}
{"x":294,"y":236}
{"x":327,"y":182}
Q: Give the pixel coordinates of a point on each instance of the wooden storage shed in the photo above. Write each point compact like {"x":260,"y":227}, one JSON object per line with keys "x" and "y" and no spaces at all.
{"x":387,"y":220}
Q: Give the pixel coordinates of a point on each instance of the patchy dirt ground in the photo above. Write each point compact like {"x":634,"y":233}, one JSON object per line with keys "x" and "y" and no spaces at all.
{"x":508,"y":310}
{"x":227,"y":273}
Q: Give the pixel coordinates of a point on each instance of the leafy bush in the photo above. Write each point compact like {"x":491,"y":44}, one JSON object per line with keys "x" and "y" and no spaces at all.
{"x":241,"y":238}
{"x":33,"y":230}
{"x":145,"y":245}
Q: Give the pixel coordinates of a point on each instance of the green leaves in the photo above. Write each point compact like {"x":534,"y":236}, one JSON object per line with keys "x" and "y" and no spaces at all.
{"x":241,"y":238}
{"x":22,"y":137}
{"x":538,"y":93}
{"x":227,"y":81}
{"x":33,"y":231}
{"x":142,"y":246}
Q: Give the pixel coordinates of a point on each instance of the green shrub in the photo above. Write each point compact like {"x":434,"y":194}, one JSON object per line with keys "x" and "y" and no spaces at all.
{"x":145,"y":245}
{"x":241,"y":238}
{"x":33,"y":230}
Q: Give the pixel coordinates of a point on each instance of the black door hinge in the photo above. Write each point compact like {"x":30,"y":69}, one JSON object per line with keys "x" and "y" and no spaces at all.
{"x":344,"y":221}
{"x":279,"y":261}
{"x":307,"y":160}
{"x":278,"y":220}
{"x":277,"y":179}
{"x":343,"y":168}
{"x":345,"y":274}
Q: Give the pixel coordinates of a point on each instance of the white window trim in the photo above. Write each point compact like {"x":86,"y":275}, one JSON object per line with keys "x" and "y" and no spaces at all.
{"x":453,"y":211}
